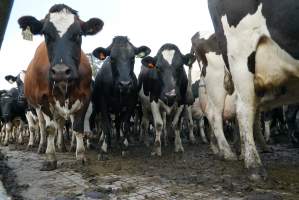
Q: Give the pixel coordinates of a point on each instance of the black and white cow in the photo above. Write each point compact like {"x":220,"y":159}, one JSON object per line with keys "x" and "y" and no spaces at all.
{"x":162,"y":91}
{"x":12,"y":112}
{"x":13,"y":105}
{"x":115,"y":89}
{"x":260,"y":45}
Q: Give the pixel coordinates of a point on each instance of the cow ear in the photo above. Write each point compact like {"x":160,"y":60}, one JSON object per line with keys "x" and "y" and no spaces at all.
{"x":142,"y":51}
{"x":11,"y":79}
{"x":92,"y":26}
{"x":149,"y":62}
{"x":101,"y":53}
{"x":189,"y":59}
{"x":35,"y":25}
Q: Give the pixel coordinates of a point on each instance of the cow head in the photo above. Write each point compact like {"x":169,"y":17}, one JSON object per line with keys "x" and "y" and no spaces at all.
{"x":122,"y":59}
{"x":171,"y":77}
{"x":63,"y":32}
{"x":19,"y":80}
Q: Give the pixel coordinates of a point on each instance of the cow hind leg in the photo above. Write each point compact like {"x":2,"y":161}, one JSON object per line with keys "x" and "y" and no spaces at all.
{"x":60,"y":138}
{"x":202,"y":130}
{"x":191,"y":125}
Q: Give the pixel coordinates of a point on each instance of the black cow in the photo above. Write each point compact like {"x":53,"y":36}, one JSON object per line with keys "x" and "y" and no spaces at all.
{"x":162,"y":86}
{"x":260,"y":46}
{"x":115,"y":89}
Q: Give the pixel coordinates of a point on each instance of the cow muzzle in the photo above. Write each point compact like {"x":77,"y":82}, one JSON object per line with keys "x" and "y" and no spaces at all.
{"x":125,"y":86}
{"x":60,"y":73}
{"x":170,"y":97}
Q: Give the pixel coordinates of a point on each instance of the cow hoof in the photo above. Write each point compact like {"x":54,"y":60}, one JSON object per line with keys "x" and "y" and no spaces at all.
{"x":5,"y":144}
{"x":228,"y":156}
{"x":156,"y":153}
{"x":179,"y":150}
{"x":257,"y":174}
{"x":81,"y":160}
{"x":41,"y":149}
{"x":103,"y":156}
{"x":124,"y":153}
{"x":29,"y":147}
{"x":49,"y":165}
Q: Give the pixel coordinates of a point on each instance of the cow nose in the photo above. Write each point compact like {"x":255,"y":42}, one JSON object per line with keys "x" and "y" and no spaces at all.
{"x":170,"y":94}
{"x":60,"y":73}
{"x":125,"y":84}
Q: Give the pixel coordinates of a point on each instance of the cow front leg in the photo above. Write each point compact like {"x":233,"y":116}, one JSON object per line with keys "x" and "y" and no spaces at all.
{"x":176,"y":125}
{"x":30,"y":121}
{"x":258,"y":134}
{"x":144,"y":137}
{"x":158,"y":122}
{"x":51,"y":129}
{"x":8,"y":129}
{"x":80,"y":149}
{"x":42,"y":129}
{"x":73,"y":140}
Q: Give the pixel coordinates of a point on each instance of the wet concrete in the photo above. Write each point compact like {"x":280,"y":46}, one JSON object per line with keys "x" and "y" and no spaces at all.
{"x":196,"y":174}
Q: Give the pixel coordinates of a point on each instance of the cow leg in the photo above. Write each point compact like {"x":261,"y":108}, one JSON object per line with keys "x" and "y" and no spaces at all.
{"x":216,"y":122}
{"x":258,"y":133}
{"x":51,"y":129}
{"x":144,"y":129}
{"x":21,"y":132}
{"x":42,"y":129}
{"x":8,"y":129}
{"x":176,"y":125}
{"x":202,"y":130}
{"x":73,"y":140}
{"x":158,"y":122}
{"x":60,"y":138}
{"x":164,"y":116}
{"x":267,"y":130}
{"x":191,"y":125}
{"x":30,"y":121}
{"x":80,"y":149}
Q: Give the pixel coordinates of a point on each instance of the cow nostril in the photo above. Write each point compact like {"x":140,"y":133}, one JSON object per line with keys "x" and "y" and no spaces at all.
{"x":53,"y":71}
{"x":68,"y":72}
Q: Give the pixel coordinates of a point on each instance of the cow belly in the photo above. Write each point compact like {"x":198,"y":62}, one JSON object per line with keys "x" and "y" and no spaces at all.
{"x":274,"y":66}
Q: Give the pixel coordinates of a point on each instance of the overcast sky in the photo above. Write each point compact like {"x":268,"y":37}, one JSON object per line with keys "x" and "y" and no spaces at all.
{"x":146,"y":22}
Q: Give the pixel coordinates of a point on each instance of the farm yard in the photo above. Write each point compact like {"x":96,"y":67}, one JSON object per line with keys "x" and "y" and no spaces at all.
{"x":196,"y":174}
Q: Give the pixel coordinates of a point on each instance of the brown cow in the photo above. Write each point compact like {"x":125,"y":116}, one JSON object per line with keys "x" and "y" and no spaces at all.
{"x":58,"y":79}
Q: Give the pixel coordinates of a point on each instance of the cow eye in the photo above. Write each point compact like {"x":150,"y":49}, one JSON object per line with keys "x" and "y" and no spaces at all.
{"x":76,"y":37}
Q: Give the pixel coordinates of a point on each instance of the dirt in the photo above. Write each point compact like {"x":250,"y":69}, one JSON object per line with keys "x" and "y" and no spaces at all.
{"x":196,"y":174}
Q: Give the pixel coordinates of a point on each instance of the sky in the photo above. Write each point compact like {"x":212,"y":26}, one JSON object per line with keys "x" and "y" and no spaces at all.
{"x":145,"y":22}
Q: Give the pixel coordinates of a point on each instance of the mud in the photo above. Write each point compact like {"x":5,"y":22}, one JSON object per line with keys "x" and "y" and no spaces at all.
{"x":196,"y":174}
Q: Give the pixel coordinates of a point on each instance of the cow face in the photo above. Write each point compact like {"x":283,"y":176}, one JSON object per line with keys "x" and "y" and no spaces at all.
{"x":170,"y":72}
{"x":63,"y":32}
{"x":19,"y":80}
{"x":121,"y":59}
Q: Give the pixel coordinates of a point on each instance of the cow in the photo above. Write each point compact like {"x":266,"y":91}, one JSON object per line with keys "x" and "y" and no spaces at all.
{"x":13,"y":113}
{"x":115,"y":89}
{"x":162,"y":85}
{"x":58,"y":79}
{"x":259,"y":43}
{"x":216,"y":98}
{"x":14,"y":105}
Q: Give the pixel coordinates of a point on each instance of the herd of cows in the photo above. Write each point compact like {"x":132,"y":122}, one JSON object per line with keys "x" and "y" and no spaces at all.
{"x":249,"y":66}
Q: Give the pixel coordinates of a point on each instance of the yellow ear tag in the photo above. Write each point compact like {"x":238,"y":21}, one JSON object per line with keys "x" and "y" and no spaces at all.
{"x":27,"y":35}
